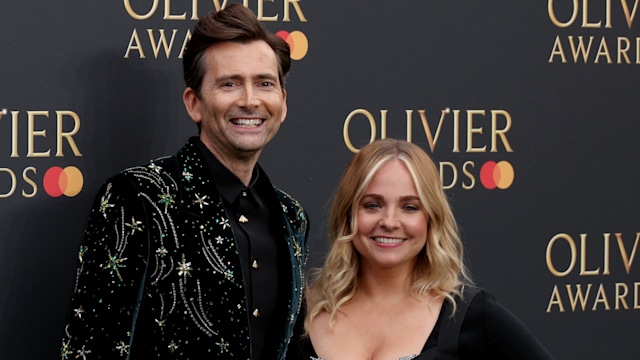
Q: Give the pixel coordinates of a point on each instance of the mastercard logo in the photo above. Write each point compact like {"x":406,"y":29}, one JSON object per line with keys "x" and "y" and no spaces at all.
{"x":58,"y":181}
{"x":496,"y":175}
{"x":298,"y":43}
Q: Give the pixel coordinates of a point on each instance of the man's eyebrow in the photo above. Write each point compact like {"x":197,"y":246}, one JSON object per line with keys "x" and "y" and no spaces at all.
{"x":260,"y":76}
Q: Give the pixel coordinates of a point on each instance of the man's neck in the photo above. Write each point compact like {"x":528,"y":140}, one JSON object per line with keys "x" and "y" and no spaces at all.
{"x":241,"y":165}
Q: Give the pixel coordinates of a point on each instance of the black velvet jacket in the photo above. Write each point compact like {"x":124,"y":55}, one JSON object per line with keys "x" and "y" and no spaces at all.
{"x":159,"y":274}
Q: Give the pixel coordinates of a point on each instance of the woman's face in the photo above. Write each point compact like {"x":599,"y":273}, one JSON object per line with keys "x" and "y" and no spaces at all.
{"x":392,"y":222}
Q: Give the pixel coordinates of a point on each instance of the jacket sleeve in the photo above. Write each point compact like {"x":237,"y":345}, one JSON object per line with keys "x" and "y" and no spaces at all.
{"x":490,"y":329}
{"x":110,"y":277}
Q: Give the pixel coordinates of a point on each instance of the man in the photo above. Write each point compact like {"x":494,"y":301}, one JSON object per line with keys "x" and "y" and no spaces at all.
{"x":197,"y":255}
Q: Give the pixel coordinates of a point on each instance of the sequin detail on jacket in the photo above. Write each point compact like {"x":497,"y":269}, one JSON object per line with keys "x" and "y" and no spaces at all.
{"x":159,"y":272}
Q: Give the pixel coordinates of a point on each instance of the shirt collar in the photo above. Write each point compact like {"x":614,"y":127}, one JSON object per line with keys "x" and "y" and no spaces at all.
{"x":227,"y":183}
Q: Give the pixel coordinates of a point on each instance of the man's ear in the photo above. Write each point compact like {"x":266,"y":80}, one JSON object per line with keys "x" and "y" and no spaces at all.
{"x":192,"y":104}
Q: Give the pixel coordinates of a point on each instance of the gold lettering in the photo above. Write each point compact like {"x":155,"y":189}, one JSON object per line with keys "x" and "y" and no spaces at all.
{"x":601,"y":297}
{"x":557,"y":50}
{"x":13,"y":182}
{"x":471,"y":130}
{"x":502,"y":132}
{"x":636,"y":299}
{"x":216,"y":4}
{"x":67,"y":135}
{"x":296,"y":6}
{"x":261,"y":16}
{"x":579,"y":296}
{"x":431,"y":138}
{"x":194,"y":12}
{"x":383,"y":124}
{"x":14,"y":134}
{"x":620,"y":298}
{"x":580,"y":49}
{"x":572,"y":246}
{"x":555,"y":300}
{"x":455,"y":174}
{"x":456,"y":131}
{"x":622,"y":50}
{"x":603,"y":50}
{"x":607,"y":256}
{"x":161,"y":41}
{"x":33,"y":133}
{"x":583,"y":258}
{"x":184,"y":43}
{"x":554,"y":19}
{"x":627,"y":260}
{"x":134,"y":39}
{"x":135,"y":15}
{"x":629,"y":16}
{"x":585,"y":17}
{"x":30,"y":182}
{"x":169,"y":16}
{"x":469,"y":175}
{"x":347,"y":122}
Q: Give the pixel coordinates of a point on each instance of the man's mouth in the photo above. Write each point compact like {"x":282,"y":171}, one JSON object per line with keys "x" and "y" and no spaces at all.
{"x":247,"y":122}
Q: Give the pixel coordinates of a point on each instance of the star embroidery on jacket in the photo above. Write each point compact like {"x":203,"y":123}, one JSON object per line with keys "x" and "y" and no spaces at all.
{"x":223,"y":345}
{"x":160,"y":323}
{"x":219,"y":239}
{"x":162,"y":252}
{"x":104,"y":204}
{"x":134,"y":225}
{"x":114,"y":264}
{"x":83,"y":250}
{"x":223,"y":222}
{"x":200,"y":200}
{"x":184,"y":268}
{"x":172,"y":346}
{"x":65,"y":351}
{"x":166,"y":199}
{"x":78,"y":312}
{"x":123,"y":348}
{"x":228,"y":274}
{"x":298,"y":249}
{"x":187,"y":175}
{"x":155,"y":167}
{"x":82,"y":353}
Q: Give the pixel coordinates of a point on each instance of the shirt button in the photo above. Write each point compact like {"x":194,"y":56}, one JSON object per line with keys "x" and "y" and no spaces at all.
{"x":255,"y":264}
{"x":256,"y":312}
{"x":243,"y":219}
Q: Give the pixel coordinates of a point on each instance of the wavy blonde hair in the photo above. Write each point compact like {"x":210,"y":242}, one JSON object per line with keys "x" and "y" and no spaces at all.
{"x":440,"y":268}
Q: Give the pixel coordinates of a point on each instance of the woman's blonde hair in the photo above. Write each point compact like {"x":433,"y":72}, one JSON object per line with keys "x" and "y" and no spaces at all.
{"x":440,"y":267}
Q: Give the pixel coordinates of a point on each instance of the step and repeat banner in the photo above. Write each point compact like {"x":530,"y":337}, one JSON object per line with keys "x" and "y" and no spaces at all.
{"x":531,"y":110}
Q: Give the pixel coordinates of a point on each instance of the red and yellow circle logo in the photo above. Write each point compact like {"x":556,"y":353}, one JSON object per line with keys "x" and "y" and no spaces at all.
{"x":58,"y":181}
{"x":297,"y":41}
{"x":496,"y":175}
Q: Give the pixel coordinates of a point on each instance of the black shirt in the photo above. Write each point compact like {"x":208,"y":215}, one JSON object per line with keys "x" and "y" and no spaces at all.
{"x":257,"y":229}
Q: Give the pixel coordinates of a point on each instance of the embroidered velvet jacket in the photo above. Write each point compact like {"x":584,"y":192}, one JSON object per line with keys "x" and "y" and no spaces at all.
{"x":159,"y":274}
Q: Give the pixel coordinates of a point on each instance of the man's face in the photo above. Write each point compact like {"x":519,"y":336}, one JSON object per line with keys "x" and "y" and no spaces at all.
{"x":242,"y":102}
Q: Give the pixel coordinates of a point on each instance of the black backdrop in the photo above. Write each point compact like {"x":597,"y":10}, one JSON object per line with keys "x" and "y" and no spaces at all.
{"x":557,"y":80}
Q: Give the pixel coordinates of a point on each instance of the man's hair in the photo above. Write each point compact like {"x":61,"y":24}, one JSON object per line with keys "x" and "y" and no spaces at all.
{"x":235,"y":23}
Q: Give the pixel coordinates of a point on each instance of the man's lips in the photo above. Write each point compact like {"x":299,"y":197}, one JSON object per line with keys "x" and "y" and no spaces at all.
{"x":247,"y":122}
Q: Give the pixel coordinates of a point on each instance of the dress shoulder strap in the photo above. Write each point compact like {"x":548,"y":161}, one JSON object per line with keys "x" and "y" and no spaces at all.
{"x":450,"y":330}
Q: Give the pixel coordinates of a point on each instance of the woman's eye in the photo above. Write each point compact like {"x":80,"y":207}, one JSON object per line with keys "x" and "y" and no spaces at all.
{"x":411,"y":208}
{"x":371,"y":206}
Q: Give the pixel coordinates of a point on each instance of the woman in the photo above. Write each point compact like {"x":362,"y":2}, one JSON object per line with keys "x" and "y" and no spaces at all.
{"x":394,"y":285}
